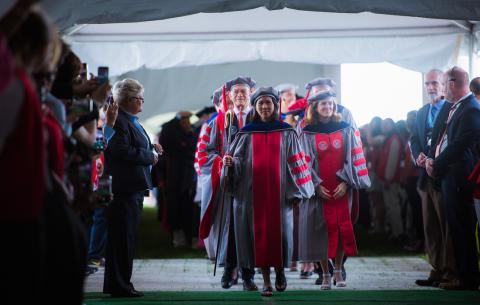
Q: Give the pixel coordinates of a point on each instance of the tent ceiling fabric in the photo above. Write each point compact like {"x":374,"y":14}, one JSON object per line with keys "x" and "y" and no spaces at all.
{"x":67,"y":13}
{"x":225,"y":24}
{"x":264,"y":24}
{"x":283,"y":36}
{"x":416,"y":53}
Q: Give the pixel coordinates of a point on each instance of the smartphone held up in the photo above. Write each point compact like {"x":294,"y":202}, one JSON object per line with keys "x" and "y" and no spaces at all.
{"x":102,"y":76}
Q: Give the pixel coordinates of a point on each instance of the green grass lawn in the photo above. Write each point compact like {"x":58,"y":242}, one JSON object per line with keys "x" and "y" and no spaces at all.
{"x":347,"y":297}
{"x":155,"y":242}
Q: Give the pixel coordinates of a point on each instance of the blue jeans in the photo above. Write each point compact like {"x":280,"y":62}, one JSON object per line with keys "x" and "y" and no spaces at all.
{"x":98,"y":234}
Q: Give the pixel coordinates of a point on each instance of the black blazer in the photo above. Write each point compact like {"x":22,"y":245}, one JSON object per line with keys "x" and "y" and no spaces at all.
{"x":127,"y":157}
{"x":463,"y":132}
{"x":418,"y":138}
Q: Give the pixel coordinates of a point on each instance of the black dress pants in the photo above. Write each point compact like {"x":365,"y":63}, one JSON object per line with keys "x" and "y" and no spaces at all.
{"x":123,"y":219}
{"x":460,"y":218}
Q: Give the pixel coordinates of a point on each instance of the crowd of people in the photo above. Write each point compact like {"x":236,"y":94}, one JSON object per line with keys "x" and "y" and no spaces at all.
{"x":265,"y":178}
{"x":413,"y":180}
{"x":76,"y":166}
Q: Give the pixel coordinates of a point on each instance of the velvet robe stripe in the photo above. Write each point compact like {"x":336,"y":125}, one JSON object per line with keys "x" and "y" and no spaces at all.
{"x":210,"y":149}
{"x":252,"y":190}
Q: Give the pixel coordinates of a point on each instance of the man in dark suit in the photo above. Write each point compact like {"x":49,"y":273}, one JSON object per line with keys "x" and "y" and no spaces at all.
{"x":129,"y":158}
{"x":179,"y":140}
{"x":452,"y":159}
{"x":438,"y":242}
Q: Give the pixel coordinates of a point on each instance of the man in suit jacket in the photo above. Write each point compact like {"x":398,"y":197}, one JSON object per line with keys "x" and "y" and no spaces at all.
{"x":438,"y":243}
{"x":129,"y":158}
{"x":454,"y":159}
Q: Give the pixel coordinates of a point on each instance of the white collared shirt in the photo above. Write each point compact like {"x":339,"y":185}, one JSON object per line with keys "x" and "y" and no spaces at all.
{"x":244,"y":114}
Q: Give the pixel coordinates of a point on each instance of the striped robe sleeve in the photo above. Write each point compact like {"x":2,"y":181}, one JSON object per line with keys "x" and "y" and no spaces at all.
{"x":301,"y":185}
{"x":354,"y":171}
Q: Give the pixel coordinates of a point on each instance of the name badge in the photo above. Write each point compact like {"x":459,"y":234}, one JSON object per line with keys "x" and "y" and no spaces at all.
{"x":444,"y":143}
{"x":441,"y":147}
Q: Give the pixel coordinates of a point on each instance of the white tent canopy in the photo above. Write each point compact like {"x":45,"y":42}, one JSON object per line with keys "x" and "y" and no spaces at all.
{"x":144,"y":36}
{"x":70,"y":12}
{"x":283,"y":36}
{"x":265,"y":30}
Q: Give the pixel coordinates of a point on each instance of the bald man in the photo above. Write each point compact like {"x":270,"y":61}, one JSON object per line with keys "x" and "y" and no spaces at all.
{"x":451,"y":159}
{"x":475,"y":87}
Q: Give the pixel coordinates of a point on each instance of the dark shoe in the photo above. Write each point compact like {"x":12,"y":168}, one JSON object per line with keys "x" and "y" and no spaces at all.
{"x":280,"y":281}
{"x":137,"y":293}
{"x":305,"y":275}
{"x":90,"y":270}
{"x":427,"y":283}
{"x":249,"y":285}
{"x":227,"y":280}
{"x":128,"y":294}
{"x":267,"y":291}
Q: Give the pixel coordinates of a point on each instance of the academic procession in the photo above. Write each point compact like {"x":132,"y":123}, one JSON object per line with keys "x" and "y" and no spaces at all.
{"x":256,"y":182}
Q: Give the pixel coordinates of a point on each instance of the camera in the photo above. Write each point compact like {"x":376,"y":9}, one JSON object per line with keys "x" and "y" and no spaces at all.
{"x":104,"y":190}
{"x":100,"y":142}
{"x":85,"y":174}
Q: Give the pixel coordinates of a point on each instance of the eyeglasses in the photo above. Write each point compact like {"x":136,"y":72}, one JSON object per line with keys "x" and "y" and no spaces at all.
{"x":240,"y":91}
{"x":141,"y":99}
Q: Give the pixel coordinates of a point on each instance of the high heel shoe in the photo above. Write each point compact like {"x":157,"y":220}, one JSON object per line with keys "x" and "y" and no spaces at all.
{"x":328,"y":279}
{"x":341,"y":283}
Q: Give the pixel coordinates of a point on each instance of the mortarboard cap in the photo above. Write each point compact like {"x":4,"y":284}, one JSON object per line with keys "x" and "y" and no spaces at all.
{"x":205,"y":110}
{"x":320,"y":81}
{"x":321,"y":96}
{"x":264,"y":91}
{"x":217,"y":96}
{"x":241,"y":80}
{"x":286,"y":87}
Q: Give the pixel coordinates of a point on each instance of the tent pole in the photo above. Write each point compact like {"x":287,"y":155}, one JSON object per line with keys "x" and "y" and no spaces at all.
{"x":471,"y":50}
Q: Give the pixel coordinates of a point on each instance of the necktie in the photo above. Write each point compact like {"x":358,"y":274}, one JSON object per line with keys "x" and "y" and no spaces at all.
{"x":442,"y":144}
{"x":240,"y":120}
{"x":433,"y":115}
{"x":452,"y":111}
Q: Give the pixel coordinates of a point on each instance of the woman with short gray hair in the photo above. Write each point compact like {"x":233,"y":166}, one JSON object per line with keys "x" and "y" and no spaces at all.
{"x":125,"y":89}
{"x":129,"y":157}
